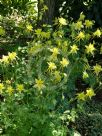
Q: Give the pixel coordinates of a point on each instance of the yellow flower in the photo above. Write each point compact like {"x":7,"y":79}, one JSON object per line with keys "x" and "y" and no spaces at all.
{"x":20,"y":87}
{"x":5,"y":59}
{"x":90,"y":49}
{"x":90,"y":92}
{"x":55,"y":51}
{"x":97,"y":69}
{"x":81,"y":36}
{"x":74,"y":49}
{"x":29,"y":27}
{"x":81,"y":96}
{"x":64,"y":62}
{"x":78,"y":25}
{"x":97,"y":33}
{"x":1,"y":87}
{"x":10,"y":90}
{"x":57,"y":76}
{"x":85,"y":75}
{"x":12,"y":56}
{"x":88,"y":23}
{"x":51,"y":66}
{"x":62,"y":21}
{"x":82,"y":17}
{"x":39,"y":84}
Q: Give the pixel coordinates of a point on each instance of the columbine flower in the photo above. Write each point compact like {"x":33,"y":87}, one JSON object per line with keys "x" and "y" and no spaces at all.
{"x":62,"y":21}
{"x":51,"y":66}
{"x":97,"y":33}
{"x":64,"y":62}
{"x":10,"y":90}
{"x":39,"y":84}
{"x":12,"y":56}
{"x":88,"y":23}
{"x":90,"y":92}
{"x":81,"y":36}
{"x":78,"y":25}
{"x":5,"y":59}
{"x":74,"y":49}
{"x":97,"y":69}
{"x":20,"y":87}
{"x":90,"y":49}
{"x":55,"y":51}
{"x":85,"y":75}
{"x":1,"y":87}
{"x":29,"y":27}
{"x":81,"y":96}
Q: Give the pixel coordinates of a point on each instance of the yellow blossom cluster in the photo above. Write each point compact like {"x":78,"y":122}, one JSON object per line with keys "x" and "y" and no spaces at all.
{"x":58,"y":63}
{"x":52,"y":68}
{"x":83,"y":96}
{"x":9,"y":89}
{"x":80,"y":24}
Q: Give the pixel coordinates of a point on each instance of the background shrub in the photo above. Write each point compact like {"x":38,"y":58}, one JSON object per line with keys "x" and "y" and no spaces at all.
{"x":89,"y":122}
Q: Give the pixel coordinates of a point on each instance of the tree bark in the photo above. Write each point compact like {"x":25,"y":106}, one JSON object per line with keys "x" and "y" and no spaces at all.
{"x":48,"y":15}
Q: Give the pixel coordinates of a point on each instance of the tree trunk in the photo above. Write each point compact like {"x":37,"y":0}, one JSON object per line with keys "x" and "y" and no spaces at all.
{"x":48,"y":15}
